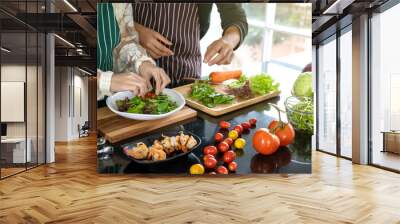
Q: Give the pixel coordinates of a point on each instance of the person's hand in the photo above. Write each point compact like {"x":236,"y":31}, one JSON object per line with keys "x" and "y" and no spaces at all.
{"x":153,"y":42}
{"x":220,"y":52}
{"x":129,"y":82}
{"x":149,"y":71}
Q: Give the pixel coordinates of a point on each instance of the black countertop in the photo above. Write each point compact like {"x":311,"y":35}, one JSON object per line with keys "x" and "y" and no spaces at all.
{"x":296,"y":158}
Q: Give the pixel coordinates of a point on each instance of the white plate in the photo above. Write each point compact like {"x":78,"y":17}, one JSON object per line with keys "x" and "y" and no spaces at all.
{"x":174,"y":96}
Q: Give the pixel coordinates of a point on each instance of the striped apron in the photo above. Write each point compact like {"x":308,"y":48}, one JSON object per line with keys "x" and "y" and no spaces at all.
{"x":179,"y":23}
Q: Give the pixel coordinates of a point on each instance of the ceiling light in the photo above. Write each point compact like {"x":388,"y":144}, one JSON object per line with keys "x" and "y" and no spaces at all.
{"x":84,"y":71}
{"x":5,"y":50}
{"x":70,"y":5}
{"x":65,"y":41}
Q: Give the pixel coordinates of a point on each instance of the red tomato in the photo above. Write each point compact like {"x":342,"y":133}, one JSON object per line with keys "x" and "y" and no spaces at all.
{"x":238,"y":128}
{"x":265,"y":142}
{"x":232,"y":166}
{"x":253,"y":122}
{"x":246,"y":125}
{"x":223,"y":146}
{"x":229,"y":141}
{"x":222,"y":170}
{"x":210,"y":150}
{"x":207,"y":157}
{"x":150,"y":95}
{"x":229,"y":156}
{"x":284,"y":131}
{"x":210,"y":162}
{"x":224,"y":124}
{"x":218,"y":137}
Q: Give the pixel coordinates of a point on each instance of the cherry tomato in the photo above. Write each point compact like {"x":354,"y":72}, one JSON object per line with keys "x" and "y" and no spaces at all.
{"x":246,"y":125}
{"x":253,"y":122}
{"x":265,"y":142}
{"x":222,"y":170}
{"x":223,"y":146}
{"x":150,"y":95}
{"x":224,"y":124}
{"x":229,"y":156}
{"x":196,"y":169}
{"x":238,"y":128}
{"x":233,"y":134}
{"x":218,"y":137}
{"x":240,"y":143}
{"x":284,"y":131}
{"x":207,"y":157}
{"x":232,"y":166}
{"x":210,"y":162}
{"x":210,"y":150}
{"x":229,"y":141}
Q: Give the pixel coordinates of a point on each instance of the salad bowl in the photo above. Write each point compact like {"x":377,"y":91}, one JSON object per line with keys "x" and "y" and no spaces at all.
{"x":172,"y":94}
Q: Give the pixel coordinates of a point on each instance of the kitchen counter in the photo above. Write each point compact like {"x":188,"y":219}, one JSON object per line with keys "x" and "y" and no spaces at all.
{"x":296,"y":158}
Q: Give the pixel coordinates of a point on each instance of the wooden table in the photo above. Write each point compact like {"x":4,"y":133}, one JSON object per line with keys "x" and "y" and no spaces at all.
{"x":116,"y":128}
{"x":391,"y":141}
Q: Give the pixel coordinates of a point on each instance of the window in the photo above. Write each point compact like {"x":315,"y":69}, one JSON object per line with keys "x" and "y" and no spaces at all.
{"x":385,"y":89}
{"x":276,"y":43}
{"x":346,"y":93}
{"x":22,"y":75}
{"x":327,"y":96}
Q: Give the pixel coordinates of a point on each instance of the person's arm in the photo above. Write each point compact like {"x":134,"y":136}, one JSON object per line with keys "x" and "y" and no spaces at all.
{"x":153,"y":42}
{"x":108,"y":82}
{"x":129,"y":55}
{"x":233,"y":15}
{"x":103,"y":84}
{"x":234,"y":25}
{"x":128,"y":52}
{"x":156,"y":44}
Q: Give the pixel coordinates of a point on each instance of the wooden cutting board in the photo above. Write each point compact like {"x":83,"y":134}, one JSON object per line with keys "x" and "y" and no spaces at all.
{"x":224,"y":108}
{"x":116,"y":128}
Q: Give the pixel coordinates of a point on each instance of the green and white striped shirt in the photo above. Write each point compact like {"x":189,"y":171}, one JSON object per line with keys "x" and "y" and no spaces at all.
{"x":108,"y":36}
{"x":118,"y":48}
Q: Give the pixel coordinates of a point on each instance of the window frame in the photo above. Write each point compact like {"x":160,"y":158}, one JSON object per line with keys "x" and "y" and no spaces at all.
{"x":381,"y":9}
{"x":334,"y":37}
{"x":270,"y":27}
{"x":324,"y":37}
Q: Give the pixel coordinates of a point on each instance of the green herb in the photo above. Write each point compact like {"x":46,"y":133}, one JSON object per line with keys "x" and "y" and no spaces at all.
{"x":239,"y":83}
{"x":206,"y":94}
{"x":262,"y":84}
{"x":301,"y":115}
{"x":136,"y":106}
{"x":160,"y":104}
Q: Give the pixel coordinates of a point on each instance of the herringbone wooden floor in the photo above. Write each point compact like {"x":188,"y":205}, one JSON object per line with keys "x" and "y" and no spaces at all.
{"x":70,"y":191}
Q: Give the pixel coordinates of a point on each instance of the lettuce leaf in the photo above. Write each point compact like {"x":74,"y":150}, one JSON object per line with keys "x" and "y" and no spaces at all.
{"x":262,"y":84}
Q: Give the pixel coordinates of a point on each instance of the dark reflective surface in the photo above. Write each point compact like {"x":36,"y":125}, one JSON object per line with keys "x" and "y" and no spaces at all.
{"x":296,"y":158}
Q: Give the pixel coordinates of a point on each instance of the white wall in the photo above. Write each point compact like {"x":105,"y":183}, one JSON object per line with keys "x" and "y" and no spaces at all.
{"x":61,"y":104}
{"x":12,"y":73}
{"x":70,"y":84}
